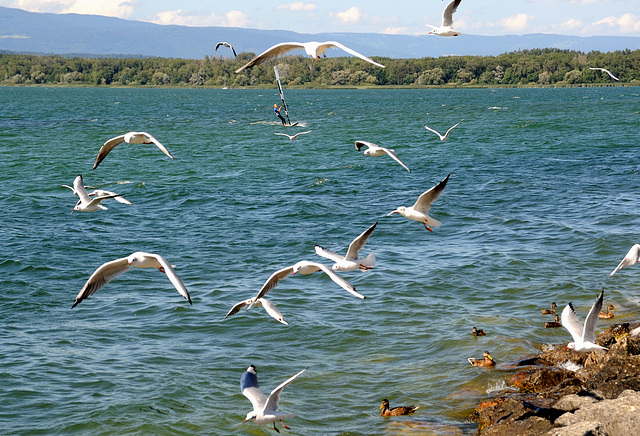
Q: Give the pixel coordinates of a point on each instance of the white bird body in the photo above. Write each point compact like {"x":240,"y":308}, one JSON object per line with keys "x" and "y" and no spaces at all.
{"x":352,"y":260}
{"x":265,"y":410}
{"x":375,"y":150}
{"x":606,"y":71}
{"x":584,"y":337}
{"x":312,"y":48}
{"x":446,"y":135}
{"x":293,"y":137}
{"x":420,"y":210}
{"x":226,"y":44}
{"x":631,"y":258}
{"x":129,"y":138}
{"x":86,"y":203}
{"x":446,"y":28}
{"x":110,"y":270}
{"x":101,"y":193}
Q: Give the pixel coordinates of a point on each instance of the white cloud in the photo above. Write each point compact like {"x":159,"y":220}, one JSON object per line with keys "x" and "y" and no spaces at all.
{"x":112,"y":8}
{"x":297,"y":7}
{"x":627,"y":23}
{"x":396,"y":31}
{"x":350,"y":16}
{"x":516,"y":23}
{"x":195,"y":19}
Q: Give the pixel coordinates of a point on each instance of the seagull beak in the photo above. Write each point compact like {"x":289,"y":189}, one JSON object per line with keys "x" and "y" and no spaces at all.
{"x":391,"y":213}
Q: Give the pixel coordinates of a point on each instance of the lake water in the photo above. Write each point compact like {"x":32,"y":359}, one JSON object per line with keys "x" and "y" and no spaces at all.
{"x":541,"y":205}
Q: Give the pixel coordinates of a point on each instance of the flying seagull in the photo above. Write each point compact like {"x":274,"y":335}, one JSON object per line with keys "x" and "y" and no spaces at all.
{"x":101,"y":193}
{"x":606,"y":71}
{"x":293,"y":137}
{"x":631,"y":258}
{"x":446,"y":28}
{"x":446,"y":135}
{"x":265,"y":410}
{"x":351,"y":261}
{"x":226,"y":44}
{"x":584,"y":338}
{"x":374,"y":150}
{"x":86,"y":203}
{"x":420,"y":210}
{"x":114,"y":268}
{"x":269,"y":307}
{"x":313,"y":49}
{"x":130,"y":138}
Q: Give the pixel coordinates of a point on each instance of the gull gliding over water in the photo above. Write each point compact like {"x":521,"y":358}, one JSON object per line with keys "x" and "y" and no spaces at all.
{"x":265,"y":410}
{"x":584,"y":337}
{"x":352,"y":260}
{"x":269,"y":307}
{"x":293,"y":137}
{"x":446,"y":135}
{"x":446,"y":28}
{"x":101,"y":193}
{"x":375,"y":150}
{"x":130,"y":138}
{"x":313,"y":49}
{"x":606,"y":71}
{"x":114,"y":268}
{"x":420,"y":210}
{"x":86,"y":203}
{"x":631,"y":258}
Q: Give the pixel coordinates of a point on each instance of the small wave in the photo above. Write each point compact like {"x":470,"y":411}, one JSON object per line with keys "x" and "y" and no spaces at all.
{"x":320,"y":181}
{"x":569,"y":365}
{"x":633,"y":299}
{"x":497,"y":108}
{"x":499,"y":386}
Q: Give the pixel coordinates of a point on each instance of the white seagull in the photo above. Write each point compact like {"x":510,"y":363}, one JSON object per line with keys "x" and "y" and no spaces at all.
{"x":420,"y":210}
{"x":113,"y":269}
{"x":86,"y":203}
{"x":265,"y":410}
{"x":351,"y":261}
{"x":584,"y":338}
{"x":313,"y":49}
{"x":226,"y":44}
{"x":375,"y":150}
{"x":606,"y":71}
{"x":293,"y":137}
{"x":631,"y":258}
{"x":101,"y":193}
{"x":269,"y":307}
{"x":130,"y":138}
{"x":446,"y":28}
{"x":446,"y":135}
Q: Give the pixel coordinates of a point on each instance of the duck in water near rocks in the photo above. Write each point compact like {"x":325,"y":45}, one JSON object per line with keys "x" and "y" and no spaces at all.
{"x":477,"y":332}
{"x":550,"y":311}
{"x":396,"y":411}
{"x":553,"y":324}
{"x":608,"y":313}
{"x":487,"y":361}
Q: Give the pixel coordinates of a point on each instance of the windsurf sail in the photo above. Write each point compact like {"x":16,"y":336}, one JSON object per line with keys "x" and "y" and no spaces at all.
{"x":284,"y":103}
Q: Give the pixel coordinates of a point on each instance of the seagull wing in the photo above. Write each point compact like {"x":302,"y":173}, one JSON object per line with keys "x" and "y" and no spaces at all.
{"x":446,"y":135}
{"x":339,"y":280}
{"x":272,"y":52}
{"x":324,"y":252}
{"x":323,"y":46}
{"x":251,"y":389}
{"x":101,"y":277}
{"x":284,"y":134}
{"x":571,"y":322}
{"x":395,"y":157}
{"x":442,"y":138}
{"x":106,"y":148}
{"x":153,"y":140}
{"x":301,"y":133}
{"x":98,"y":199}
{"x":272,"y":311}
{"x":360,"y":144}
{"x":447,"y":14}
{"x":271,"y":406}
{"x":273,"y":281}
{"x":173,"y":277}
{"x":236,"y":308}
{"x":589,"y":332}
{"x":117,"y":197}
{"x":423,"y":204}
{"x":632,"y":257}
{"x":80,"y":190}
{"x":357,"y":244}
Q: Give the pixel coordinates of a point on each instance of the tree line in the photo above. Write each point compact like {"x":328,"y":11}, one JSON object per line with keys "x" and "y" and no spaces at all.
{"x":523,"y":67}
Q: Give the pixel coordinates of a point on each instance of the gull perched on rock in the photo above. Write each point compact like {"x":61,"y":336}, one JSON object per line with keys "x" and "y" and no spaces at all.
{"x":313,"y":49}
{"x":352,"y":260}
{"x":446,"y":28}
{"x":265,"y":410}
{"x":633,"y":256}
{"x":226,"y":44}
{"x":584,"y":337}
{"x":420,"y":210}
{"x":86,"y":203}
{"x":130,"y":138}
{"x":293,"y":137}
{"x":375,"y":150}
{"x":114,"y":268}
{"x":446,"y":135}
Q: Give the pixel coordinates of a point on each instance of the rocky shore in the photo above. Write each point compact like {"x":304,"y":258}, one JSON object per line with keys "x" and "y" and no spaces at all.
{"x":562,"y":392}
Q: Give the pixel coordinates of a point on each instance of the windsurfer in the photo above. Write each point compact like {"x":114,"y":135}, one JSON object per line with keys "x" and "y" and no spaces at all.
{"x":276,"y":109}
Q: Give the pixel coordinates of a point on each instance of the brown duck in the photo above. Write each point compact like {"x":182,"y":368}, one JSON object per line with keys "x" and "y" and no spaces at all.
{"x":608,"y":313}
{"x":477,"y":332}
{"x":486,"y":361}
{"x":396,"y":411}
{"x":553,"y":324}
{"x":550,"y":311}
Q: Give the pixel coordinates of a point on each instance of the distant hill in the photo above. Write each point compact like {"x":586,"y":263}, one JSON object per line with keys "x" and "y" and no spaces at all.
{"x":30,"y":32}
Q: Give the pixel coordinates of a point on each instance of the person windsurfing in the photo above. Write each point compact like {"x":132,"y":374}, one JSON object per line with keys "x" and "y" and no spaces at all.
{"x":276,"y":109}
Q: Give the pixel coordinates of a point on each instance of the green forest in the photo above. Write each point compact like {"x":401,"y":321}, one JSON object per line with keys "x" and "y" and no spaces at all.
{"x":538,"y":67}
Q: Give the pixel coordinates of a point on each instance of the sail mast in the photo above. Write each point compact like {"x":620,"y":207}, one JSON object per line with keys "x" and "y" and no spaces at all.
{"x":284,"y":103}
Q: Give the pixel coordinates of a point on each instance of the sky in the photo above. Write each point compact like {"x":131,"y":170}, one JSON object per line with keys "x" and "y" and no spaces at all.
{"x":407,"y":17}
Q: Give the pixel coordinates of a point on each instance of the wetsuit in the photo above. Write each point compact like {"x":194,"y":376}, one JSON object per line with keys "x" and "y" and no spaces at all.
{"x":277,"y":111}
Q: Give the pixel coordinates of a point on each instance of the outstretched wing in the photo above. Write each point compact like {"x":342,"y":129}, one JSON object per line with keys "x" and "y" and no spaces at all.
{"x":339,"y":280}
{"x":106,"y":148}
{"x":632,"y":257}
{"x":356,"y":245}
{"x":423,"y":204}
{"x":236,"y":308}
{"x":360,"y":144}
{"x":272,"y":52}
{"x":80,"y":190}
{"x":251,"y":389}
{"x":101,"y":277}
{"x":442,"y":138}
{"x":323,"y":46}
{"x":271,"y":406}
{"x":153,"y":140}
{"x":272,"y":310}
{"x":324,"y":252}
{"x":283,"y":134}
{"x":589,"y":332}
{"x":447,"y":14}
{"x":273,"y":281}
{"x":395,"y":157}
{"x":446,"y":135}
{"x":173,"y":277}
{"x":571,"y":322}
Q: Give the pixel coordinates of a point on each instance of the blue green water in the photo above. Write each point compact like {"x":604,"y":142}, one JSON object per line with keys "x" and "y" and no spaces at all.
{"x":541,"y":205}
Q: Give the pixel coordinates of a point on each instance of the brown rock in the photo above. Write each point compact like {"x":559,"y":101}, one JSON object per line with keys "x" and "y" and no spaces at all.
{"x":541,"y":379}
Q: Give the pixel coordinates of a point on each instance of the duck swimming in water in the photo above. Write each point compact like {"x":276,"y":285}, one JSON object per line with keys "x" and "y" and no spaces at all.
{"x":486,"y":361}
{"x":396,"y":411}
{"x":553,"y":324}
{"x":477,"y":332}
{"x":607,"y":314}
{"x":550,"y":311}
